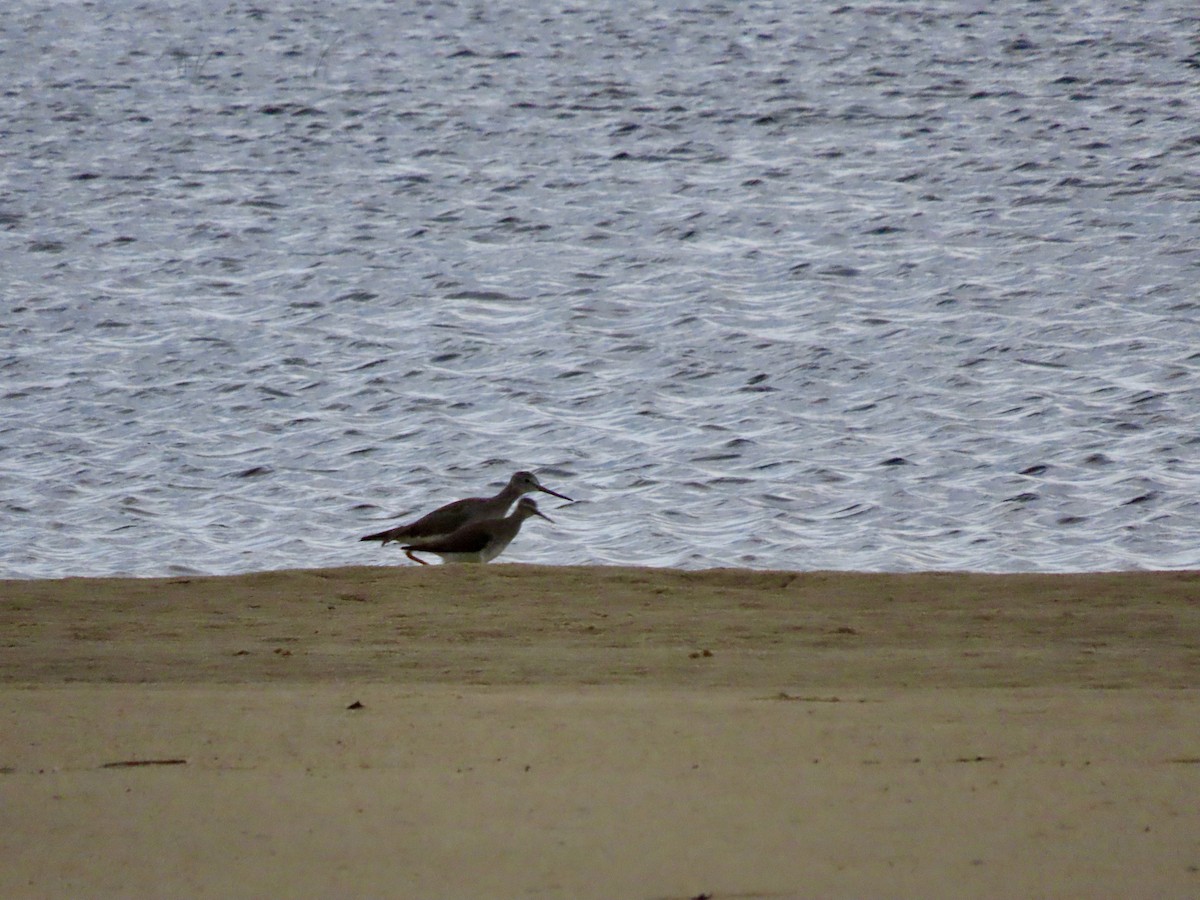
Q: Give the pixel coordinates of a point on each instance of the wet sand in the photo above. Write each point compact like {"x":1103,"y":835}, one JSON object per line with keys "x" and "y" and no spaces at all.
{"x":520,"y":731}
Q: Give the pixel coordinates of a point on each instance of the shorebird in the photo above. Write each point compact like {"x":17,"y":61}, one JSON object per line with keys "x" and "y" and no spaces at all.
{"x":445,"y":520}
{"x":478,"y":542}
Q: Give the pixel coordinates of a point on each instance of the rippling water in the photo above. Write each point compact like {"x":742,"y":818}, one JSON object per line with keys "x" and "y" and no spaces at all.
{"x":854,"y":286}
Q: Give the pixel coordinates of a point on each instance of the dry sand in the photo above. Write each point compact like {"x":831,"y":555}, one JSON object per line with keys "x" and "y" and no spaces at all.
{"x":601,"y":732}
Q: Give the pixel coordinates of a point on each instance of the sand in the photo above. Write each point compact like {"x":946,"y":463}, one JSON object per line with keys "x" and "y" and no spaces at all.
{"x":522,"y":731}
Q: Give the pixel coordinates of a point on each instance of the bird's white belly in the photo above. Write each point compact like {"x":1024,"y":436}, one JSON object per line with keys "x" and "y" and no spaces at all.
{"x":460,"y":558}
{"x":487,"y":554}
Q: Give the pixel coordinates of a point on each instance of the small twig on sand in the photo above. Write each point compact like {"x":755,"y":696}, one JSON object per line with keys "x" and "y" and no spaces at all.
{"x":144,"y":762}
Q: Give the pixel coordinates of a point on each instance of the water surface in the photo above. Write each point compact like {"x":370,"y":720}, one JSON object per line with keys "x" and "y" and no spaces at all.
{"x":863,"y":286}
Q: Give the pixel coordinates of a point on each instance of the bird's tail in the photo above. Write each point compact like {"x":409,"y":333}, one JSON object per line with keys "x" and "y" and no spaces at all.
{"x":381,"y":536}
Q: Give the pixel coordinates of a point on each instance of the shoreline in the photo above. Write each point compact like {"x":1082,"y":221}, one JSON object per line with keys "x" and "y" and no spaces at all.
{"x":517,"y":624}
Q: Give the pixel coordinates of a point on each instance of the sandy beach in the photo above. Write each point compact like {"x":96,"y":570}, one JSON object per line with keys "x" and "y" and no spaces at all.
{"x":526,"y":731}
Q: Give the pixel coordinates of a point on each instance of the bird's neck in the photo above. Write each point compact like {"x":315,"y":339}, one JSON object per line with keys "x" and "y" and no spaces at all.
{"x":510,"y":493}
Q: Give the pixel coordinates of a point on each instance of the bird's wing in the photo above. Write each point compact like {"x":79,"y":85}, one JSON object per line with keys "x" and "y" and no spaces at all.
{"x":443,"y":520}
{"x":470,"y":539}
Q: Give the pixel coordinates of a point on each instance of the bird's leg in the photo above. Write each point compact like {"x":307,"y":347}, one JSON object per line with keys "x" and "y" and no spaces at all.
{"x":408,"y":553}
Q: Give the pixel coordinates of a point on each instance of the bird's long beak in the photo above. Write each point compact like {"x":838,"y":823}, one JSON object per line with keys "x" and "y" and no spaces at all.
{"x":556,"y":494}
{"x":538,"y":512}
